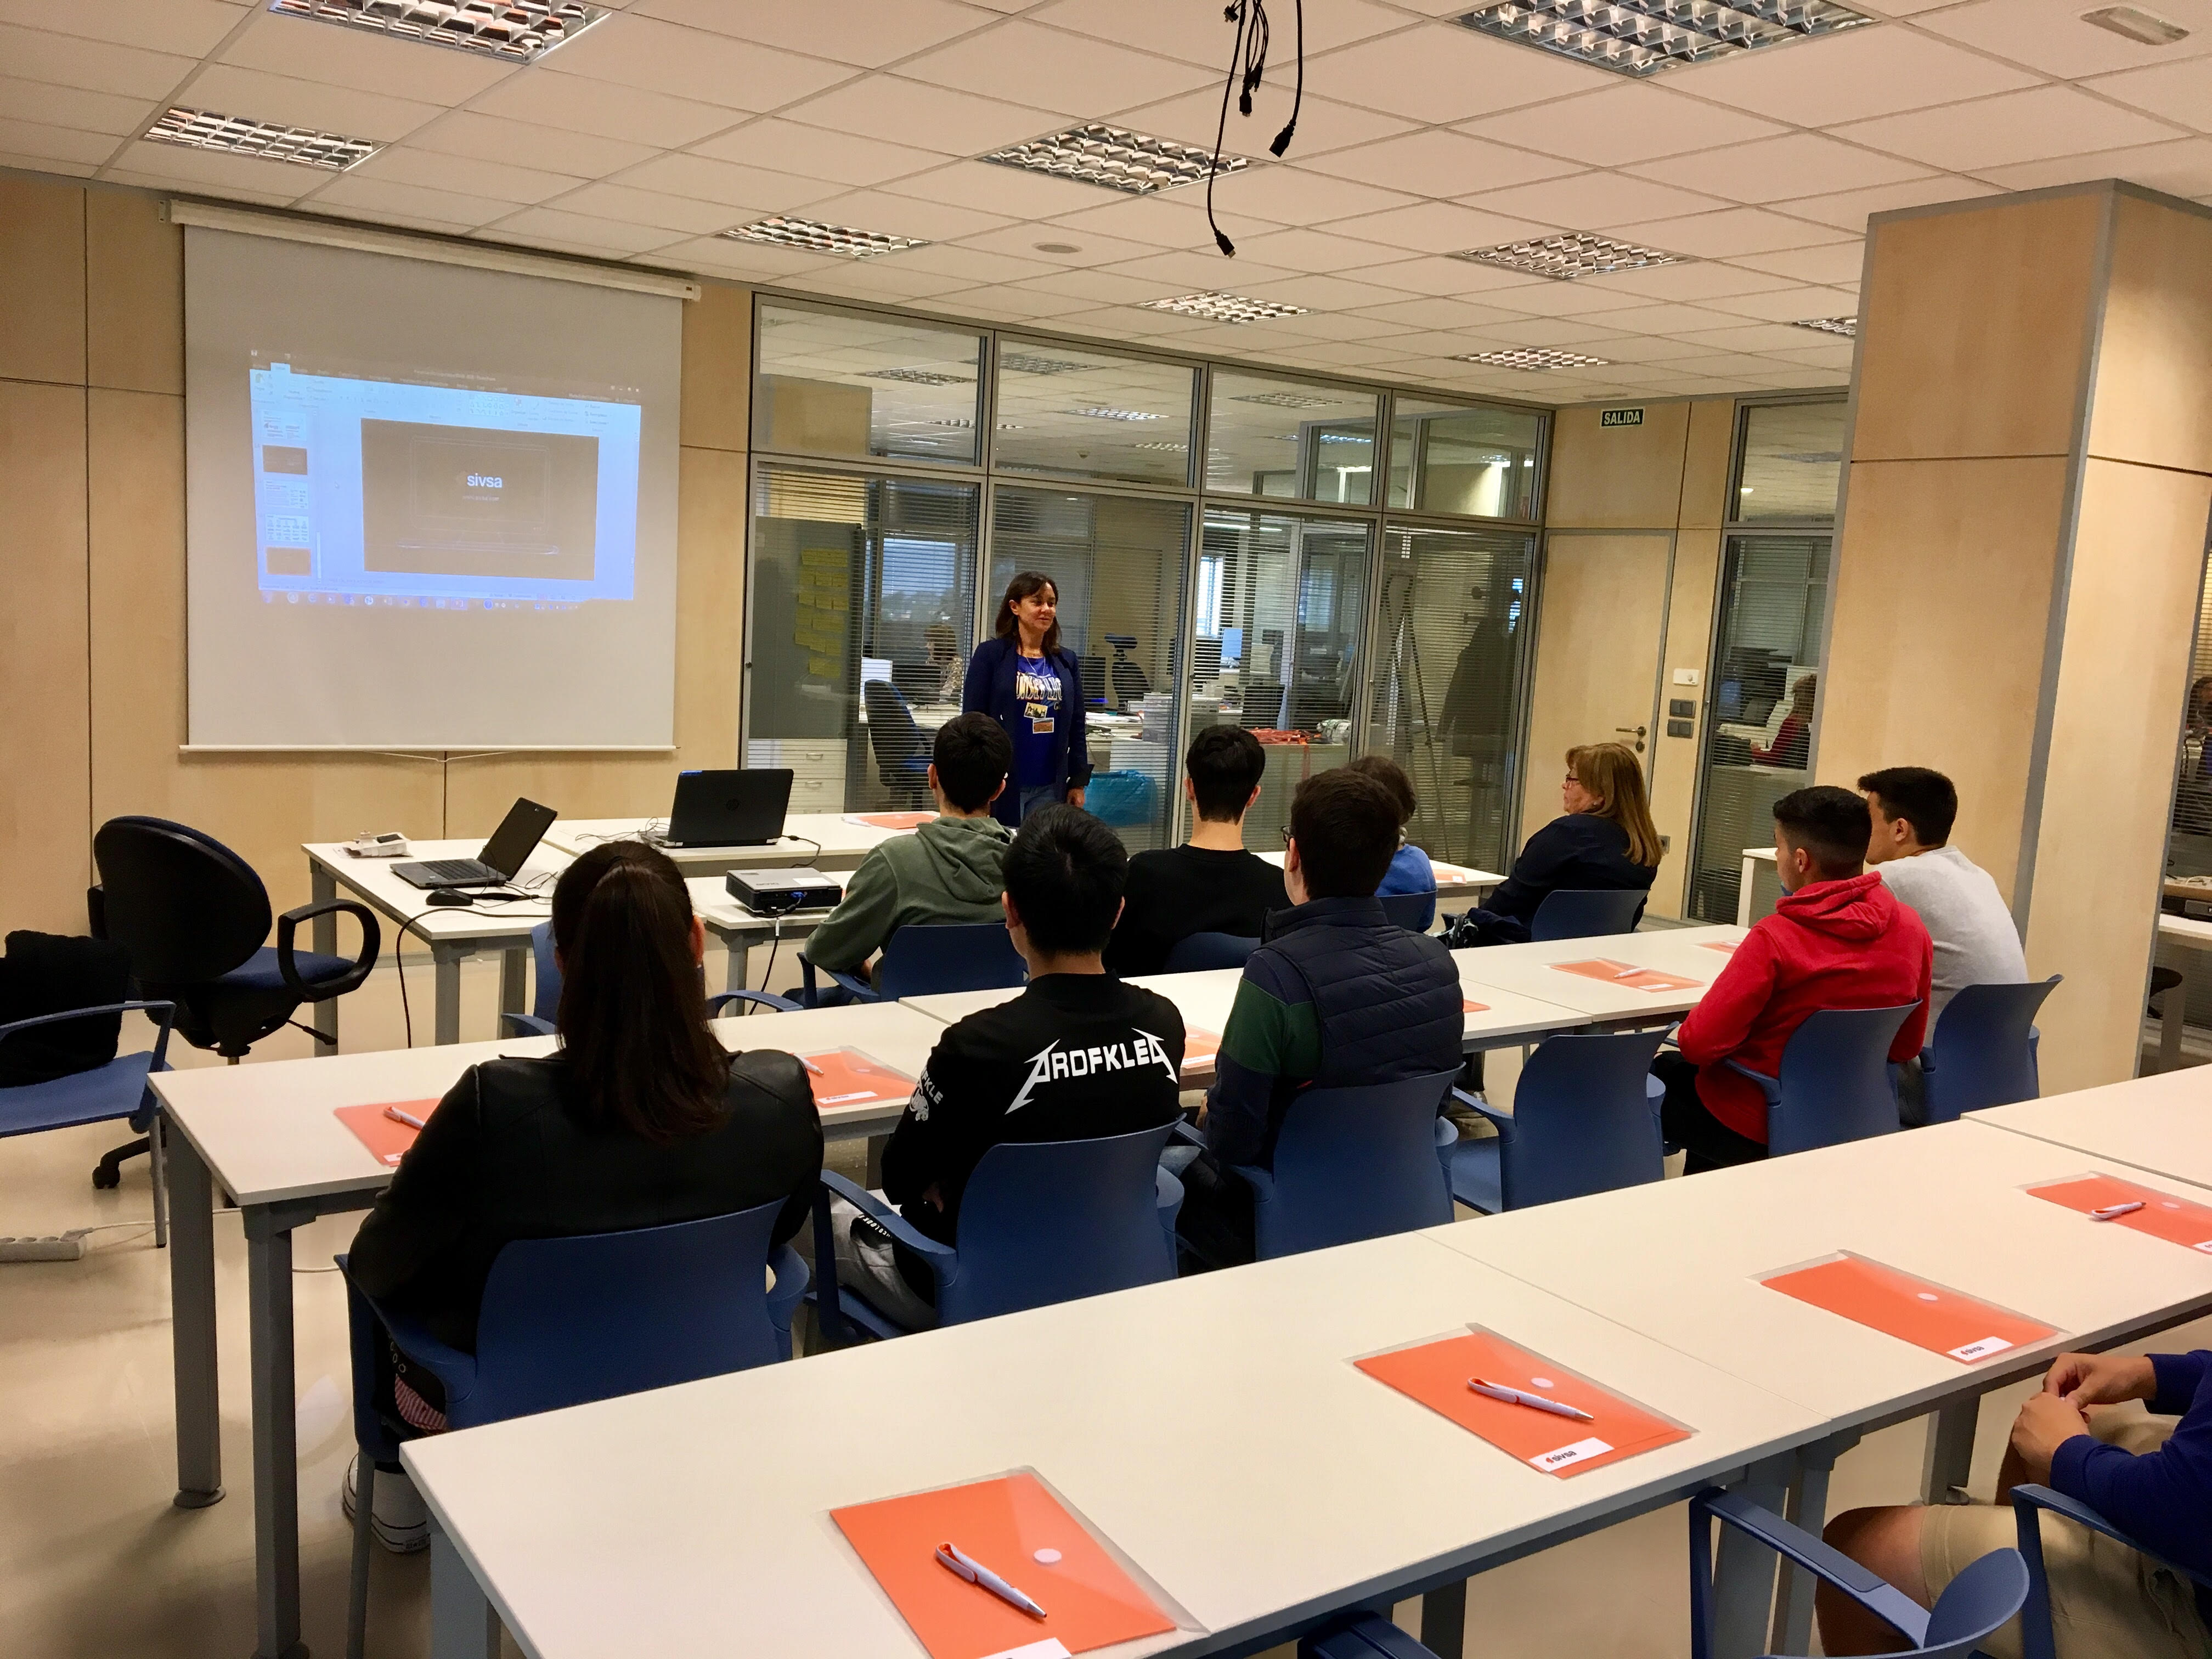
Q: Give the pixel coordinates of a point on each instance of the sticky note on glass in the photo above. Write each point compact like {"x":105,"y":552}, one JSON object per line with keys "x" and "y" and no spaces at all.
{"x":1916,"y":1310}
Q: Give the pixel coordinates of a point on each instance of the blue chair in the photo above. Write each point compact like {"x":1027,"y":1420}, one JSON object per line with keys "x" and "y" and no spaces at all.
{"x":2035,"y":1636}
{"x":1414,"y":912}
{"x":1353,"y":1163}
{"x":902,"y":757}
{"x":1194,"y":953}
{"x":1972,"y":1607}
{"x":115,"y":1090}
{"x":1361,"y":1636}
{"x":1585,"y":1120}
{"x":545,"y":999}
{"x":926,"y":959}
{"x":568,"y":1321}
{"x":1041,"y":1222}
{"x":1591,"y":912}
{"x":1125,"y":799}
{"x":1836,"y":1082}
{"x":1984,"y":1049}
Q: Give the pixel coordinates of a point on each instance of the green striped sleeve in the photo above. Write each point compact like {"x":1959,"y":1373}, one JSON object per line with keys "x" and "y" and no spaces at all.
{"x":1275,"y":1038}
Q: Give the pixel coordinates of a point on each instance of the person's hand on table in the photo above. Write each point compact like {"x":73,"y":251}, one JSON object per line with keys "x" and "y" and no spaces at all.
{"x":2046,"y":1422}
{"x":1075,"y":798}
{"x":2100,"y":1379}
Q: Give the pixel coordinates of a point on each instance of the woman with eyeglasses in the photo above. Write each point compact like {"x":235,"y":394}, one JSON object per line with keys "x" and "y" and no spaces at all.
{"x":1603,"y":840}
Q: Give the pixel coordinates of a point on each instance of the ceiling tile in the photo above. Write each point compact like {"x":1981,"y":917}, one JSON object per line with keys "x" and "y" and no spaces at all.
{"x":167,"y":181}
{"x":1788,"y":305}
{"x":2180,"y":92}
{"x":1324,"y":126}
{"x":1432,"y":312}
{"x":1166,"y":219}
{"x":1322,"y":292}
{"x":362,"y":196}
{"x":1750,"y":337}
{"x":1435,"y":274}
{"x":1103,"y":286}
{"x":94,"y":65}
{"x":713,"y":68}
{"x":1724,"y":234}
{"x":577,"y":230}
{"x":683,"y":174}
{"x":364,"y":61}
{"x":1198,"y":33}
{"x":1440,"y":163}
{"x":1186,"y":270}
{"x":2014,"y":126}
{"x":604,"y":109}
{"x":1293,"y":196}
{"x":1073,"y":73}
{"x":1630,"y":121}
{"x":1003,"y":191}
{"x":902,"y":215}
{"x":1438,"y":228}
{"x":1592,"y":201}
{"x":1849,"y":209}
{"x":1314,"y":251}
{"x":1836,"y":262}
{"x":651,"y":207}
{"x":1441,"y":72}
{"x":1775,"y":169}
{"x":755,"y":261}
{"x":879,"y":279}
{"x":10,"y":158}
{"x":190,"y":28}
{"x":53,"y":143}
{"x":405,"y":165}
{"x":260,"y":95}
{"x":1696,"y":281}
{"x":1003,"y":300}
{"x":1648,"y":348}
{"x":1091,"y":248}
{"x":1572,"y":332}
{"x":1550,"y":299}
{"x":1341,"y":327}
{"x":1850,"y":76}
{"x":973,"y":264}
{"x":787,"y":147}
{"x":2183,"y":168}
{"x":268,"y":181}
{"x":867,"y":35}
{"x":73,"y":107}
{"x":935,"y":118}
{"x":523,"y":144}
{"x":2050,"y":36}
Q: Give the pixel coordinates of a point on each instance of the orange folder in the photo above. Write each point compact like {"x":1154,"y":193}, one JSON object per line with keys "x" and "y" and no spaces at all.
{"x":843,"y":1077}
{"x":1200,"y":1048}
{"x":891,"y":820}
{"x":1928,"y":1316}
{"x":387,"y":1139}
{"x":1017,"y":1530}
{"x":1627,"y":976}
{"x":1725,"y":946}
{"x":1436,"y":1374}
{"x":1467,"y":1007}
{"x":2176,"y":1220}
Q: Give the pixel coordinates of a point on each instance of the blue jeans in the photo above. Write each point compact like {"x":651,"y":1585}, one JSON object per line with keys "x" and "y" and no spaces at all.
{"x":1040,"y":794}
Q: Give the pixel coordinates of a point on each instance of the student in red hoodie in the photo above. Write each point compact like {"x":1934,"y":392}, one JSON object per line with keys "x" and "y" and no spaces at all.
{"x":1837,"y":940}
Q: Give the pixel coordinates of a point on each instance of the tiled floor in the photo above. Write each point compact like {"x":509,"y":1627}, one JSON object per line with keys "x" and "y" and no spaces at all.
{"x":99,"y":1566}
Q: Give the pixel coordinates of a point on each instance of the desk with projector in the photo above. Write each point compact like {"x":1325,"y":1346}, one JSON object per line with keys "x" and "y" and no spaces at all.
{"x":825,"y":841}
{"x":266,"y":1134}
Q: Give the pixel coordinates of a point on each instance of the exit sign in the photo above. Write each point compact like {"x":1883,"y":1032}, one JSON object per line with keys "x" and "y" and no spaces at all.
{"x":1621,"y":417}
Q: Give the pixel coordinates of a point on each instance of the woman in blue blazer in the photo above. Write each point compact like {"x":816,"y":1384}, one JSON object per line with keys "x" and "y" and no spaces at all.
{"x":1023,"y":679}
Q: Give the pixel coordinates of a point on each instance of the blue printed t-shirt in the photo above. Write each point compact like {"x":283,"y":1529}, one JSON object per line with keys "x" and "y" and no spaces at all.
{"x":1037,"y":714}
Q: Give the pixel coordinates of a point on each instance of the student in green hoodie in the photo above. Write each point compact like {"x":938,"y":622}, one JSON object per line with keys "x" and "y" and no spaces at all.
{"x":952,"y":869}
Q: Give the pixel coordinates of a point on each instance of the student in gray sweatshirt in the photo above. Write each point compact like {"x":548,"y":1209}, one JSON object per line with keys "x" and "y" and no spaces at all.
{"x":1975,"y":942}
{"x":952,"y":869}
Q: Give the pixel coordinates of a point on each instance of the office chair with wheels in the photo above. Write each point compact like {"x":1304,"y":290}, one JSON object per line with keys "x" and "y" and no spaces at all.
{"x":545,"y":998}
{"x":1836,"y":1084}
{"x":1262,"y":707}
{"x":1194,"y":953}
{"x":1586,"y":913}
{"x":1983,"y":1051}
{"x":1585,"y":1119}
{"x":568,"y":1321}
{"x":902,"y":757}
{"x":926,"y":959}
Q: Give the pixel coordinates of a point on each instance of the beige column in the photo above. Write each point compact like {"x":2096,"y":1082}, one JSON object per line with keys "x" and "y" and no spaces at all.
{"x":2019,"y":558}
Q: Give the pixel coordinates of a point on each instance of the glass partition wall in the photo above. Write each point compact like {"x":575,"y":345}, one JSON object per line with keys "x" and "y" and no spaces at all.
{"x":905,"y":469}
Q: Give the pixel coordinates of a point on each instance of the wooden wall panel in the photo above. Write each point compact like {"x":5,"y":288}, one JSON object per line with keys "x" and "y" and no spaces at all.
{"x":45,"y":727}
{"x":134,"y":294}
{"x":1708,"y":457}
{"x":1992,"y":306}
{"x":1941,"y":610}
{"x":710,"y":618}
{"x":718,"y":361}
{"x":42,"y":260}
{"x":1617,"y":478}
{"x":1673,"y":761}
{"x":2154,"y":402}
{"x":2130,"y":616}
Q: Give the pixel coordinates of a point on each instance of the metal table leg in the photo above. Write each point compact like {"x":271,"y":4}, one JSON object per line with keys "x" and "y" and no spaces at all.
{"x":462,"y":1623}
{"x":446,"y":967}
{"x":513,"y":982}
{"x":323,"y":934}
{"x":1808,"y":1507}
{"x":1743,"y":1568}
{"x":276,"y":1429}
{"x":2173,"y":1015}
{"x":191,"y":1327}
{"x":739,"y":949}
{"x":1950,"y":1451}
{"x":1443,"y":1620}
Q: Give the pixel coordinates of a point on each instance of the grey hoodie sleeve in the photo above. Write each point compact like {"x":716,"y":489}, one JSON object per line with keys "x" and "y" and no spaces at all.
{"x":863,"y":920}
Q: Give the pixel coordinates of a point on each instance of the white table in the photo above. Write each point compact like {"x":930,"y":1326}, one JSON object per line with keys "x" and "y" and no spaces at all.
{"x":824,"y":840}
{"x":1311,"y":1488}
{"x":1753,"y":857}
{"x":1528,"y":970}
{"x":266,"y":1133}
{"x":453,"y":934}
{"x":2194,"y":938}
{"x":2162,"y":1123}
{"x":1453,"y":880}
{"x":738,"y":929}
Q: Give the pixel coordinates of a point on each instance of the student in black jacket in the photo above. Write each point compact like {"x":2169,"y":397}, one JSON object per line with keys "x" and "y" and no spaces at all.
{"x":1604,"y":840}
{"x":1078,"y":1055}
{"x":639,"y":1119}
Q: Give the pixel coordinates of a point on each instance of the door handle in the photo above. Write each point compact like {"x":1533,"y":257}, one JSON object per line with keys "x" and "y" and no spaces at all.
{"x":1639,"y":731}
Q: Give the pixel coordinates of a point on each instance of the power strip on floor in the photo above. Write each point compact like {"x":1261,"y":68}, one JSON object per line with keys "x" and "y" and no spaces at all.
{"x":54,"y":1247}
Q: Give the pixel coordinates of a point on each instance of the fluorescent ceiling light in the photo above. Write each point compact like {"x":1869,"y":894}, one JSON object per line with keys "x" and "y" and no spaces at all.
{"x":1102,"y":414}
{"x":1846,"y":327}
{"x":1571,"y":254}
{"x":782,"y":231}
{"x":969,"y":425}
{"x":269,"y":141}
{"x":918,"y":377}
{"x":1023,"y":363}
{"x":1162,"y":445}
{"x":1287,"y":400}
{"x":2137,"y":26}
{"x":1534,"y":362}
{"x":513,"y":31}
{"x":1116,"y":159}
{"x":1642,"y":37}
{"x":1224,"y":308}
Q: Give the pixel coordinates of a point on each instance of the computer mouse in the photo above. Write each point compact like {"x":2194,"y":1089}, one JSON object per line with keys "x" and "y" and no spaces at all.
{"x":447,"y":897}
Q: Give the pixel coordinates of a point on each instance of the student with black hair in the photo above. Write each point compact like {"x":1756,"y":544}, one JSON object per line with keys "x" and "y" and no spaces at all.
{"x":1209,"y":884}
{"x":950,"y":869}
{"x":1976,"y":940}
{"x":1837,"y":940}
{"x":1078,"y":1055}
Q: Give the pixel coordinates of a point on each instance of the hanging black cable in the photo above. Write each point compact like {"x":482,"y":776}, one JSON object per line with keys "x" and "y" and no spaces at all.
{"x":1247,"y":67}
{"x":1235,"y":12}
{"x":1298,"y":97}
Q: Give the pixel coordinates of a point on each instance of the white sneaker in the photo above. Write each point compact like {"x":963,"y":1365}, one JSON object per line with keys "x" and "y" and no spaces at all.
{"x":399,"y":1520}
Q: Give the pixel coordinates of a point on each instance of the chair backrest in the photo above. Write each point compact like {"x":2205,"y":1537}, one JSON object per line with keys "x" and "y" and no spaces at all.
{"x":926,"y":959}
{"x":1582,"y":1121}
{"x":1196,"y":953}
{"x":184,"y":906}
{"x":1353,"y":1163}
{"x":1983,"y":1054}
{"x":1989,"y":1594}
{"x":1048,"y":1221}
{"x":545,"y":999}
{"x":891,"y":730}
{"x":565,"y":1321}
{"x":1586,"y":913}
{"x":1131,"y":683}
{"x":1414,"y":912}
{"x":1835,"y":1079}
{"x":1263,"y":707}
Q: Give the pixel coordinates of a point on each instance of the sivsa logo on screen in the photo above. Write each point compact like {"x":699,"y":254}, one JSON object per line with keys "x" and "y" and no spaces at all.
{"x":485,"y":481}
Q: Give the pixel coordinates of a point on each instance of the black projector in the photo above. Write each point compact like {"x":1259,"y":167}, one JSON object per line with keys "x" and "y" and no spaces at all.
{"x":780,"y":892}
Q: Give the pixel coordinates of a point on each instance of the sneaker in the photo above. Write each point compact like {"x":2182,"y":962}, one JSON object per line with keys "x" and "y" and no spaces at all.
{"x":399,"y":1520}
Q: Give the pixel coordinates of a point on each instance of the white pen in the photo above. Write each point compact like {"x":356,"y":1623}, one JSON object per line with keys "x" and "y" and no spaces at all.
{"x":1627,"y":973}
{"x":2114,"y":1212}
{"x":1518,"y":1397}
{"x":415,"y":1123}
{"x":811,"y":1067}
{"x":950,"y":1557}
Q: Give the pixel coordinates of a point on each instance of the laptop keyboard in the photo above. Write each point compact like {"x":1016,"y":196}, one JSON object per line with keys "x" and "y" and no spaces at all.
{"x":459,"y":870}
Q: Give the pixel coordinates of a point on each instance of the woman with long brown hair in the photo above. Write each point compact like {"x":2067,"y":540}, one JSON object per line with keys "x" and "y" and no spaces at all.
{"x":1023,"y":678}
{"x":640,"y":1118}
{"x":1603,"y":840}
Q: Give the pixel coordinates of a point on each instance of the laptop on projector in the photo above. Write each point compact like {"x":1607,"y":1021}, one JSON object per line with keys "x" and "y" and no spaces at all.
{"x":729,"y":809}
{"x":516,"y":838}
